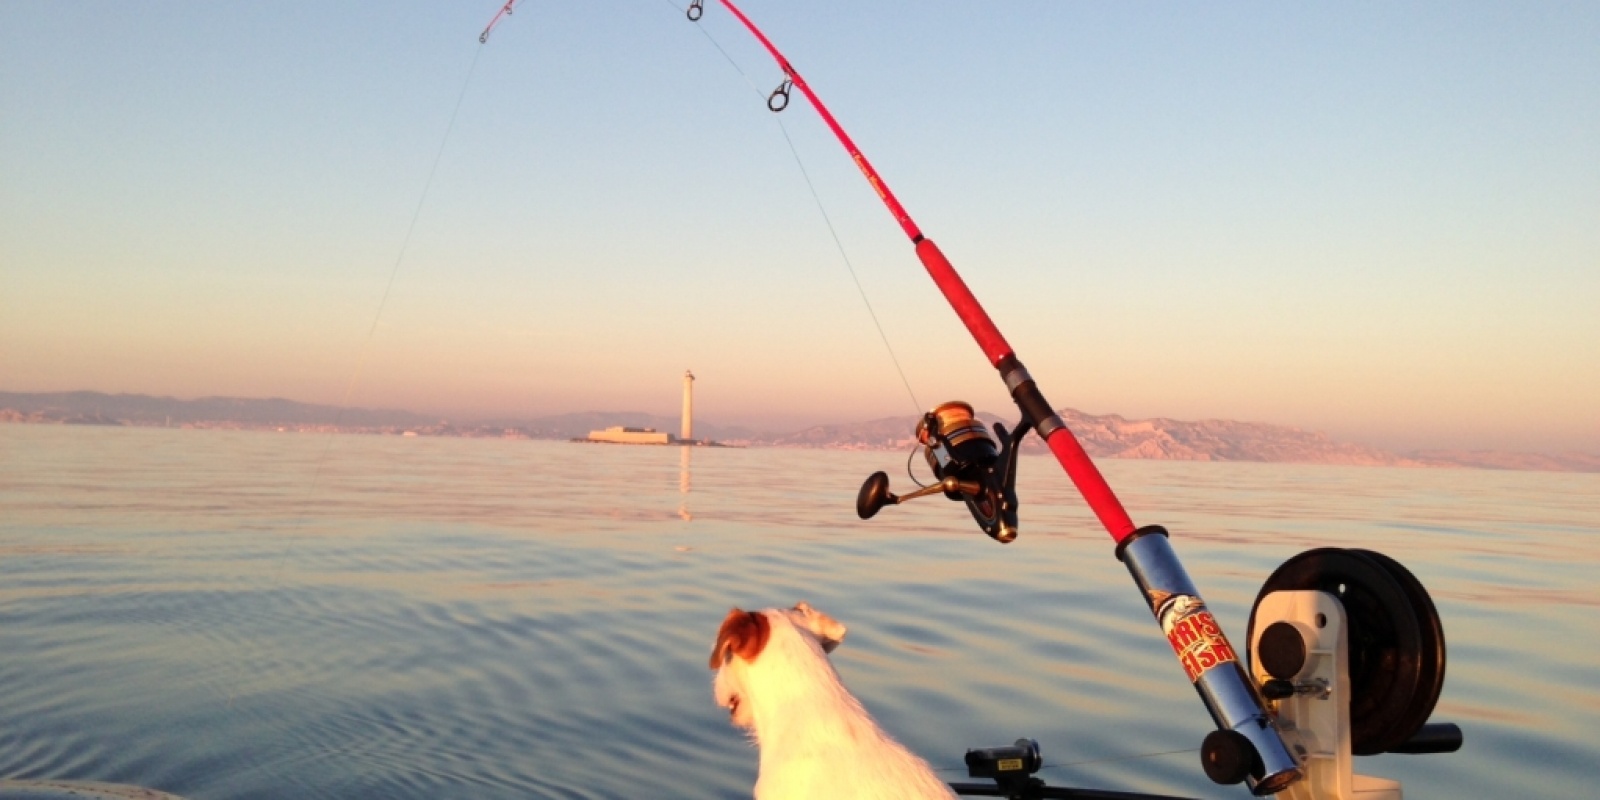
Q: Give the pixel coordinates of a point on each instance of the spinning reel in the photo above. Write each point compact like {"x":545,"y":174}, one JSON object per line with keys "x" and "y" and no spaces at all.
{"x":970,"y":467}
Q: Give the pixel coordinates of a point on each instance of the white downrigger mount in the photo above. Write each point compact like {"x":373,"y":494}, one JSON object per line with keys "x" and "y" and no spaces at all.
{"x":1349,"y":652}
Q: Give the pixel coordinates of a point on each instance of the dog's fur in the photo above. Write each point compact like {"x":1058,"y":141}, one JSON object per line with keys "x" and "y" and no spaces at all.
{"x":817,"y":742}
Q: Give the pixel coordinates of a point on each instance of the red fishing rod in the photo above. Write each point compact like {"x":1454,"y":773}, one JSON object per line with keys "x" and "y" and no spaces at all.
{"x":1246,"y":744}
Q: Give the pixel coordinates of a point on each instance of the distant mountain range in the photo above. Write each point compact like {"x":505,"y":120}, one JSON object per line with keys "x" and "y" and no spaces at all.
{"x":97,"y":408}
{"x":1105,"y":436}
{"x":1112,"y":436}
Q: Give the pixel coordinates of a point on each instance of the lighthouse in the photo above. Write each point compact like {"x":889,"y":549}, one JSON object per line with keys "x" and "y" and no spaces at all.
{"x":622,"y":434}
{"x":687,"y":434}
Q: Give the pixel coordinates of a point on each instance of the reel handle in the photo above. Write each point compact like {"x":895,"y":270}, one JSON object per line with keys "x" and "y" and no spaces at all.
{"x":875,"y":494}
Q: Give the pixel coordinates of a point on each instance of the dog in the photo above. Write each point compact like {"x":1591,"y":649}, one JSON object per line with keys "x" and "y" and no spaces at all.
{"x":816,"y":740}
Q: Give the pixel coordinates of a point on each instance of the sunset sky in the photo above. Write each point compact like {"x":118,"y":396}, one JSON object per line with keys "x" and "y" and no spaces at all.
{"x":1376,"y":220}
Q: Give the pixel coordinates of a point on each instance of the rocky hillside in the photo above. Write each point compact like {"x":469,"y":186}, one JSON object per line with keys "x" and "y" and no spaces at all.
{"x":1112,"y":436}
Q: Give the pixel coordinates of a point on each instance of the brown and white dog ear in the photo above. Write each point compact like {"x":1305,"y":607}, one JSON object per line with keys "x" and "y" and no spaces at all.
{"x":743,"y":634}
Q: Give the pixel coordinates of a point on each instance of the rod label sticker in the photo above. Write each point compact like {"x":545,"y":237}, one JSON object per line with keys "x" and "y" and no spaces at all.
{"x":1194,"y":634}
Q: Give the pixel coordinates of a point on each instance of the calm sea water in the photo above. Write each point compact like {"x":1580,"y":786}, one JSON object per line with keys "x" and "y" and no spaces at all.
{"x":257,"y":615}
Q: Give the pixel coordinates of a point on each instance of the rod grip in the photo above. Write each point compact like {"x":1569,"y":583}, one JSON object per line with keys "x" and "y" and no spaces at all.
{"x":965,"y":304}
{"x":1091,"y":484}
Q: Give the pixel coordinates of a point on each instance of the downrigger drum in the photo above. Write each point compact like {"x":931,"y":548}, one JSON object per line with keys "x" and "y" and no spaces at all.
{"x":1396,"y":641}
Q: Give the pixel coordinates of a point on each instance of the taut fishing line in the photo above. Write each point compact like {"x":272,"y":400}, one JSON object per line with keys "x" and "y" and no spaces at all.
{"x":827,"y":220}
{"x":394,"y":271}
{"x":821,"y":209}
{"x":383,"y":301}
{"x":366,"y":345}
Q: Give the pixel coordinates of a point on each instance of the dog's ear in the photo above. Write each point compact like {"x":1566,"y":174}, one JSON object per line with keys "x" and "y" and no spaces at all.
{"x":743,"y":634}
{"x":829,"y":631}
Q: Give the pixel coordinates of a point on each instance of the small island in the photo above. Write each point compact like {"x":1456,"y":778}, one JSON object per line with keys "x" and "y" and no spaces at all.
{"x":622,"y":434}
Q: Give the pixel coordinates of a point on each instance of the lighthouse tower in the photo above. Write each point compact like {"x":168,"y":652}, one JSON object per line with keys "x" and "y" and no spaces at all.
{"x":688,"y":407}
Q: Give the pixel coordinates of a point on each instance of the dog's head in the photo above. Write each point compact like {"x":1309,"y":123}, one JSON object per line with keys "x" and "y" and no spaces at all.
{"x":744,"y":635}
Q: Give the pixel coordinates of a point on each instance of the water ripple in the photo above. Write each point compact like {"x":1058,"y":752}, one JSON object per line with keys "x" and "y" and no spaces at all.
{"x":236,"y":615}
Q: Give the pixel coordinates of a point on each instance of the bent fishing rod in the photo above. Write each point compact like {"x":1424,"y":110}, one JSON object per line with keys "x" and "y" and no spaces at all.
{"x":973,"y":470}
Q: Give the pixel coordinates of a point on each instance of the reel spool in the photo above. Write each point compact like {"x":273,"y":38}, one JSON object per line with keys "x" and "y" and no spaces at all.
{"x":1396,"y":641}
{"x":954,"y":441}
{"x":956,"y":445}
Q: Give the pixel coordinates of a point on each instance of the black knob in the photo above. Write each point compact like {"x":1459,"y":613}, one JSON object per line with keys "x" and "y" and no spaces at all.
{"x":1227,"y":756}
{"x":874,"y":495}
{"x":1281,"y":651}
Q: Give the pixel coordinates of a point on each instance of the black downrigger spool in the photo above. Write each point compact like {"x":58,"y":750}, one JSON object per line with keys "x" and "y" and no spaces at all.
{"x":969,"y":464}
{"x":1396,"y":647}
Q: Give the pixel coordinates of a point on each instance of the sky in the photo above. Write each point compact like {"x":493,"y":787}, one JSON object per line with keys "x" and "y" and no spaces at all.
{"x":1376,"y":220}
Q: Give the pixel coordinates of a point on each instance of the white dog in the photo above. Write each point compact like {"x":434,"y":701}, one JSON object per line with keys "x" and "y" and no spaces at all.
{"x":817,"y":742}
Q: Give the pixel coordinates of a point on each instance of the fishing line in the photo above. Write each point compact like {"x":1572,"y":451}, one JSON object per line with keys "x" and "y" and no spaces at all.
{"x":916,"y":406}
{"x":821,"y":209}
{"x":1120,"y":758}
{"x":394,"y":272}
{"x":280,"y":563}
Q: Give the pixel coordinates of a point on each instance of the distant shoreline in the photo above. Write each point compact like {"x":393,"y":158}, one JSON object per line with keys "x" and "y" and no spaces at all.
{"x":1102,"y":436}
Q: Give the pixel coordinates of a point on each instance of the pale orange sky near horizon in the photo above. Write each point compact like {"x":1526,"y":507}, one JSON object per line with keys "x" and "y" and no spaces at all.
{"x":1375,"y":222}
